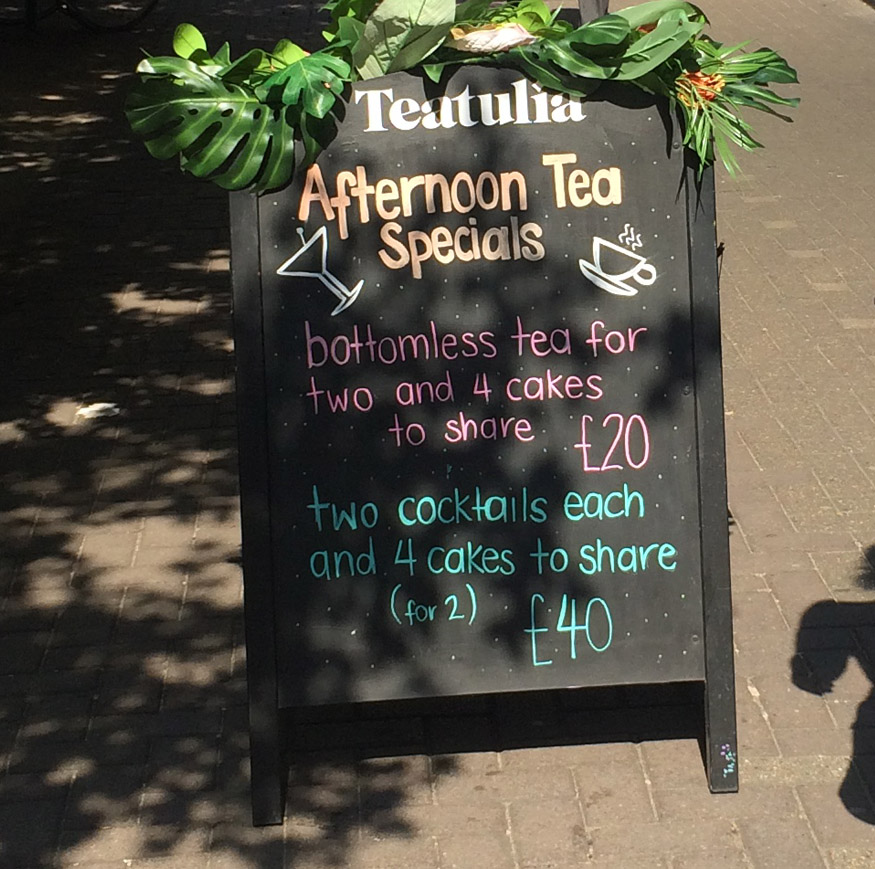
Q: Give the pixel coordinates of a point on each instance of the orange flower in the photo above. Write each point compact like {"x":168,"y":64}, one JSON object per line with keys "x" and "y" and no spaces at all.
{"x":704,"y":85}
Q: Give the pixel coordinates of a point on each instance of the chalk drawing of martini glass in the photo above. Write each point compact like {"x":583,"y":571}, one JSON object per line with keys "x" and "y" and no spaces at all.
{"x":305,"y":257}
{"x":613,"y":267}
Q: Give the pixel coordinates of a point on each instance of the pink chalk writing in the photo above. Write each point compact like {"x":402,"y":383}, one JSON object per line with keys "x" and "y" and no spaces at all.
{"x":626,"y":426}
{"x":360,"y":398}
{"x":361,"y":346}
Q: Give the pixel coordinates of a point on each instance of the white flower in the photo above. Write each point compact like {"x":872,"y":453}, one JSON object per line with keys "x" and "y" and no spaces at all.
{"x":489,"y":39}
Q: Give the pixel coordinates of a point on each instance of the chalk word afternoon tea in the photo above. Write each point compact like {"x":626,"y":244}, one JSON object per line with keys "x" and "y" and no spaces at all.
{"x":356,"y":195}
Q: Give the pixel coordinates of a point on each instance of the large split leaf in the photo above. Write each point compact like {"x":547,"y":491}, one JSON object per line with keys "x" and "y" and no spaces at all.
{"x":286,"y":52}
{"x":399,"y":34}
{"x":220,"y":131}
{"x":313,"y":82}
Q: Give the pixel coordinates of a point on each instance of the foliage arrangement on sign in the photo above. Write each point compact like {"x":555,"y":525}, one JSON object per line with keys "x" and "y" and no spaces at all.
{"x":239,"y":123}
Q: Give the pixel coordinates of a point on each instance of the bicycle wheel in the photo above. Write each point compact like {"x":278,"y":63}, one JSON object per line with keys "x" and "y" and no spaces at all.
{"x":109,"y":15}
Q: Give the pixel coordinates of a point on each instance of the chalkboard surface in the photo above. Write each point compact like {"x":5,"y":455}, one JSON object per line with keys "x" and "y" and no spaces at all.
{"x":480,"y":397}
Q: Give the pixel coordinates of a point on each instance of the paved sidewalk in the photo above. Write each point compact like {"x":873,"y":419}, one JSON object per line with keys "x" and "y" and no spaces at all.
{"x":122,"y":692}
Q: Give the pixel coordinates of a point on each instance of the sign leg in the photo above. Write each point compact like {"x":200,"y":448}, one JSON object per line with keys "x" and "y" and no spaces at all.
{"x":268,"y":769}
{"x":721,"y":754}
{"x":720,"y":727}
{"x":267,"y":766}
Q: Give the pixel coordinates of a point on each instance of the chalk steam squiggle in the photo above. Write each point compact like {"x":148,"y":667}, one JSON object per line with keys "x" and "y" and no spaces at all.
{"x":630,"y":237}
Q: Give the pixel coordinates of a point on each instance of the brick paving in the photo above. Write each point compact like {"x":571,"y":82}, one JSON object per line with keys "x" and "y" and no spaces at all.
{"x":122,"y":694}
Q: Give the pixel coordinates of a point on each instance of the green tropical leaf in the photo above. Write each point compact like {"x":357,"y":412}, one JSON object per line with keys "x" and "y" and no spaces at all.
{"x":649,"y":13}
{"x":316,"y":135}
{"x":772,"y":68}
{"x":708,"y":47}
{"x":188,"y":40}
{"x":400,"y":34}
{"x":534,"y":15}
{"x":537,"y":8}
{"x":173,"y":66}
{"x":674,"y":30}
{"x":349,"y":32}
{"x":220,"y":131}
{"x":353,"y":9}
{"x":434,"y":71}
{"x":570,"y":61}
{"x":601,"y":50}
{"x":549,"y":76}
{"x":762,"y":66}
{"x":607,"y":30}
{"x":223,"y":56}
{"x":242,"y":69}
{"x":313,"y":82}
{"x":757,"y":96}
{"x":287,"y":52}
{"x":472,"y":10}
{"x":238,"y":123}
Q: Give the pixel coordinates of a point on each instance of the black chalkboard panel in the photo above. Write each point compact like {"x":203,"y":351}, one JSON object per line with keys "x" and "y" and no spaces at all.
{"x":475,"y":396}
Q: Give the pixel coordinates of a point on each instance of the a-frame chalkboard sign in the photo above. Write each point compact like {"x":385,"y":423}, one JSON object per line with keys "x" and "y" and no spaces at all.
{"x":480,"y":409}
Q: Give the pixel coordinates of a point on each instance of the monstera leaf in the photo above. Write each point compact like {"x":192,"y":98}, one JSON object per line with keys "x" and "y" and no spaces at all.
{"x":314,"y":82}
{"x":220,"y":130}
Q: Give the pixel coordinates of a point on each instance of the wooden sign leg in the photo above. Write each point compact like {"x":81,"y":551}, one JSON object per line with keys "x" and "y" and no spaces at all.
{"x":268,"y":769}
{"x":720,"y":723}
{"x":267,"y":764}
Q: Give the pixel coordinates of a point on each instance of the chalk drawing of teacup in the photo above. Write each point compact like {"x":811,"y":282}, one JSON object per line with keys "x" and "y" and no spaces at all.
{"x":611,"y":269}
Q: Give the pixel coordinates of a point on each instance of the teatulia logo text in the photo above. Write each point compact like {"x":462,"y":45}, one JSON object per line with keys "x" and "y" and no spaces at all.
{"x":525,"y":103}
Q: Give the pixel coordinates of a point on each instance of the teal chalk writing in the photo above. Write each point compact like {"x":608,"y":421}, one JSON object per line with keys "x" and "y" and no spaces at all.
{"x":622,"y":503}
{"x":599,"y":557}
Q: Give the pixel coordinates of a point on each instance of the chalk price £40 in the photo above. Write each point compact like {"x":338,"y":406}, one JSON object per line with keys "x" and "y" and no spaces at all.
{"x":597,"y":626}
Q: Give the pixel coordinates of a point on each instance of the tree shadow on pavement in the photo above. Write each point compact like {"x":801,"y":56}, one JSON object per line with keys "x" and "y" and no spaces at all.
{"x":832,"y":635}
{"x":122,"y":689}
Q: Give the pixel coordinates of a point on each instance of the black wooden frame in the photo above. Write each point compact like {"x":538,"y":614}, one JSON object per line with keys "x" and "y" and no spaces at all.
{"x":266,"y":738}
